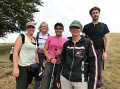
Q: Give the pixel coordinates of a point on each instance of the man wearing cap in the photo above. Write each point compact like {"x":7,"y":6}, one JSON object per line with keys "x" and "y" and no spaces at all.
{"x":78,"y":59}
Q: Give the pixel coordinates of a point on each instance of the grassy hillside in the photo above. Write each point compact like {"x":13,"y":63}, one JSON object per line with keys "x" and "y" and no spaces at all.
{"x":111,"y":74}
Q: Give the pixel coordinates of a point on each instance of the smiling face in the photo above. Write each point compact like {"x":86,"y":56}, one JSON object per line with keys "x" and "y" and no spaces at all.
{"x":75,"y":31}
{"x":58,"y":30}
{"x":95,"y":15}
{"x":30,"y":29}
{"x":43,"y":27}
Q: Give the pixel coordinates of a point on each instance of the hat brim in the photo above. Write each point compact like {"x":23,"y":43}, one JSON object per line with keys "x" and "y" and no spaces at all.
{"x":30,"y":25}
{"x":74,"y":25}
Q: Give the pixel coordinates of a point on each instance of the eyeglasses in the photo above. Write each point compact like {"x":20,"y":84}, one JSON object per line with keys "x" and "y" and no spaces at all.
{"x":44,"y":26}
{"x":58,"y":28}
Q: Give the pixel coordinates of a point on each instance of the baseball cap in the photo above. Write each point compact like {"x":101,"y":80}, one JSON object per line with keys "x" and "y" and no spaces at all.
{"x":76,"y":23}
{"x":58,"y":24}
{"x":30,"y":24}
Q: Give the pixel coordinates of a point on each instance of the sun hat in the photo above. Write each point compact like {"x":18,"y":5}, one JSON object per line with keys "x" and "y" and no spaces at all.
{"x":30,"y":24}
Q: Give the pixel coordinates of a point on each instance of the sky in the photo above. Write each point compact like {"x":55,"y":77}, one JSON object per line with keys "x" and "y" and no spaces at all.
{"x":66,"y":11}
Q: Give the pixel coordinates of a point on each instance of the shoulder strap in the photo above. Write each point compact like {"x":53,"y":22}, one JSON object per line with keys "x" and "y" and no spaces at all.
{"x":23,"y":38}
{"x":102,"y":28}
{"x":48,"y":34}
{"x":37,"y":37}
{"x":87,"y":40}
{"x":87,"y":27}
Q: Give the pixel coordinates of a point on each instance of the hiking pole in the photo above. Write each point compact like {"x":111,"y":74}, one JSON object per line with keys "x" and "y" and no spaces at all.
{"x":52,"y":76}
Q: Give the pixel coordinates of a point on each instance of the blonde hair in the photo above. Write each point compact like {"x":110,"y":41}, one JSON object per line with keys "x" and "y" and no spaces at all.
{"x":41,"y":25}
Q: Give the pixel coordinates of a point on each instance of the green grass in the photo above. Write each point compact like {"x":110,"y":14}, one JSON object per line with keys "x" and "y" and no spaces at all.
{"x":111,"y":74}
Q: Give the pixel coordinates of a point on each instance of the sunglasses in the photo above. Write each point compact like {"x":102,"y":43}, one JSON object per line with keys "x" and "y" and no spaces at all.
{"x":58,"y":28}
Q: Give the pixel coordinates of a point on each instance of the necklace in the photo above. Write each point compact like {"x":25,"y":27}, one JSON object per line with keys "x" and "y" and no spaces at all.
{"x":30,"y":37}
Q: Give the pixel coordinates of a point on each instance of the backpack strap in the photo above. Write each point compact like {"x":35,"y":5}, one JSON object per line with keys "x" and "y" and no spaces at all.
{"x":48,"y":34}
{"x":37,"y":37}
{"x":87,"y":27}
{"x":23,"y":38}
{"x":102,"y":28}
{"x":87,"y":41}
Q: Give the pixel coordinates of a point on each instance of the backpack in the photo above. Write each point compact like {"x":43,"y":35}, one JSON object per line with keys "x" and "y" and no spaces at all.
{"x":37,"y":37}
{"x":103,"y":31}
{"x":12,"y":49}
{"x":102,"y":27}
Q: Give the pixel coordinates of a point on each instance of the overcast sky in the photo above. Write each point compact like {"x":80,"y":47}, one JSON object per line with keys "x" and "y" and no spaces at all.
{"x":66,"y":11}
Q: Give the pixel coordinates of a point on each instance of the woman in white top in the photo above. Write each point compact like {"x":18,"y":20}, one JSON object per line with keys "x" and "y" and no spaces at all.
{"x":41,"y":37}
{"x":24,"y":55}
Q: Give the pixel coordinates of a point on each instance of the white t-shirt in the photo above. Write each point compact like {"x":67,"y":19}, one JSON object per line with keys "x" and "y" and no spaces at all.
{"x":41,"y":40}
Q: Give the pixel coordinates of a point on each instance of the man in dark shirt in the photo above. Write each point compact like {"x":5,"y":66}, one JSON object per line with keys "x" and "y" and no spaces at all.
{"x":98,"y":33}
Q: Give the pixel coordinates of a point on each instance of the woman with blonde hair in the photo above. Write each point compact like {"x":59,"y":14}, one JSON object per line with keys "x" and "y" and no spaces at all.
{"x":41,"y":37}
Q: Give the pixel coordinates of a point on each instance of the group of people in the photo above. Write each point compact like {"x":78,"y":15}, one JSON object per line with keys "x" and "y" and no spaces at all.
{"x":76,"y":63}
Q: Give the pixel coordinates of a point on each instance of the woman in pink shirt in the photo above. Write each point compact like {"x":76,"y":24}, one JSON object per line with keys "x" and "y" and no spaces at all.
{"x":52,"y":51}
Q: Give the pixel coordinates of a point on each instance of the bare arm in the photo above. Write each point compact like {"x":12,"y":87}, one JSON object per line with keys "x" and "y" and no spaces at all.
{"x":17,"y":47}
{"x":46,"y":47}
{"x":36,"y":57}
{"x":106,"y":41}
{"x":106,"y":38}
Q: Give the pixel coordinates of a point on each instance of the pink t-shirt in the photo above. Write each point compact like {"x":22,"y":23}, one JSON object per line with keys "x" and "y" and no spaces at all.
{"x":54,"y":42}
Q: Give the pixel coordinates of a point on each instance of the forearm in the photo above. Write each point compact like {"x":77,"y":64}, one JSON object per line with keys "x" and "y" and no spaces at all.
{"x":106,"y":42}
{"x":36,"y":57}
{"x":15,"y":60}
{"x":46,"y":54}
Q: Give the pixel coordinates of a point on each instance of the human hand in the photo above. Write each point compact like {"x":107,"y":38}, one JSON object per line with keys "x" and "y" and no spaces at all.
{"x":57,"y":52}
{"x":53,"y":60}
{"x":58,"y":85}
{"x":104,"y":56}
{"x":16,"y":72}
{"x":41,"y":49}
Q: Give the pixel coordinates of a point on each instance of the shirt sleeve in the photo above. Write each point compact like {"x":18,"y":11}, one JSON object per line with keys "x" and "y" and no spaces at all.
{"x":48,"y":40}
{"x":106,"y":30}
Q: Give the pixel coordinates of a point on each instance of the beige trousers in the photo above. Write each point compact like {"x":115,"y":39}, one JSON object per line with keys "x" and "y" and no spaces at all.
{"x":66,"y":84}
